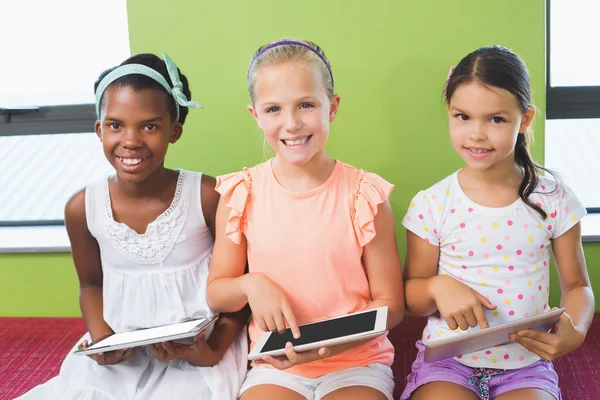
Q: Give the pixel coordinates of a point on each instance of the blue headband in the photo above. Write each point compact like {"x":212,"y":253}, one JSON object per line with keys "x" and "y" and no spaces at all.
{"x":294,"y":43}
{"x":176,"y":91}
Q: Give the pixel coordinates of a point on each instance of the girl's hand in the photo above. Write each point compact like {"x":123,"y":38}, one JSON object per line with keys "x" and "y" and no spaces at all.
{"x":108,"y":358}
{"x":458,"y":304}
{"x":199,"y":354}
{"x":270,"y":306}
{"x":549,"y":346}
{"x":292,"y":358}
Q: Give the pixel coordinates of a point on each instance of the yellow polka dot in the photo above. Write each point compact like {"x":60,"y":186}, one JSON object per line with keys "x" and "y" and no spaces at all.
{"x":460,"y":257}
{"x":452,"y":265}
{"x":425,"y":196}
{"x":440,"y":333}
{"x":459,"y":217}
{"x":574,"y":218}
{"x":537,"y":267}
{"x":534,"y":355}
{"x":530,"y":239}
{"x":506,"y":256}
{"x":425,"y":229}
{"x":540,"y":225}
{"x":507,"y":301}
{"x":544,"y":296}
{"x":412,"y":204}
{"x":537,"y":310}
{"x":529,"y":283}
{"x":495,"y":313}
{"x":543,"y":253}
{"x":447,"y":193}
{"x":494,"y":361}
{"x":496,"y":269}
{"x":483,"y":240}
{"x":495,"y":224}
{"x":483,"y":284}
{"x":458,"y":329}
{"x":440,"y":208}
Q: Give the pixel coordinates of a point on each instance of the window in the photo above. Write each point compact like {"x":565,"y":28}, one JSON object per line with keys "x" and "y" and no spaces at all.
{"x":573,"y":96}
{"x":48,"y":150}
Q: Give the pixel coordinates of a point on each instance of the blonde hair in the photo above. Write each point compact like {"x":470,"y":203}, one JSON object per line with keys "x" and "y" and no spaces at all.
{"x":288,"y":51}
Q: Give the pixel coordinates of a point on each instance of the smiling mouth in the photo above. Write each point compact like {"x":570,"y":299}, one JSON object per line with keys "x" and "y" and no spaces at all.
{"x":478,"y":151}
{"x":296,"y":142}
{"x":132,"y":161}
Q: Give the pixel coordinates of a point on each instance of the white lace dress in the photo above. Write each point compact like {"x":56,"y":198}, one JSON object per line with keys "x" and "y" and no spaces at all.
{"x":150,"y":279}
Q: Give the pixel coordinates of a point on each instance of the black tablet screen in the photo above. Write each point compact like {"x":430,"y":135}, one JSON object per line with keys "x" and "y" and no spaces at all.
{"x":324,"y":330}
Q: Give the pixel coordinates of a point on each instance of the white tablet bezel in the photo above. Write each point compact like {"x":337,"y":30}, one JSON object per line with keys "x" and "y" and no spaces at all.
{"x":203,"y":324}
{"x":474,"y":341}
{"x":379,"y":329}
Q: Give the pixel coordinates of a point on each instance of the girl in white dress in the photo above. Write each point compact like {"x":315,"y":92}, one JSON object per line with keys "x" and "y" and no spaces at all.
{"x":142,"y":242}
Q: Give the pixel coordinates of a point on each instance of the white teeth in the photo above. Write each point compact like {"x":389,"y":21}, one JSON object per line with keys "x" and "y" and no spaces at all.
{"x":131,"y":161}
{"x":479,"y":150}
{"x":296,"y":142}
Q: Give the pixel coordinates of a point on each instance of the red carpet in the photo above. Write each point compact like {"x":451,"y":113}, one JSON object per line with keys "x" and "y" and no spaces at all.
{"x":32,"y":349}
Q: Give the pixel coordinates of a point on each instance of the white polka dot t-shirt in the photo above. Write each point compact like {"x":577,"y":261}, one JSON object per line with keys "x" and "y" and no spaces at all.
{"x":503,"y":253}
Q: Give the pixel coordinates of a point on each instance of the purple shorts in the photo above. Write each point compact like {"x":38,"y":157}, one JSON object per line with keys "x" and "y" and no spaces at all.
{"x":539,"y":375}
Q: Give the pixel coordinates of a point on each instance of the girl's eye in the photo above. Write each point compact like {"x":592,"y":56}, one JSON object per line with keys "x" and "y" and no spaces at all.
{"x":462,"y":117}
{"x":306,"y":105}
{"x":498,"y":120}
{"x":114,"y":126}
{"x":150,"y":127}
{"x":272,"y":109}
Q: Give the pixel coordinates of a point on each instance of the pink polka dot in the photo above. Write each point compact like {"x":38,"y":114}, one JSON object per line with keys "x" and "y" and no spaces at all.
{"x":538,"y":204}
{"x":452,"y":211}
{"x":507,"y":281}
{"x":435,"y":231}
{"x":526,"y":270}
{"x":549,"y":227}
{"x":506,"y":237}
{"x":486,"y":256}
{"x":506,"y":356}
{"x":459,"y":356}
{"x":553,"y":215}
{"x":540,"y":288}
{"x":500,"y":291}
{"x":488,"y":352}
{"x":510,"y":223}
{"x":511,"y":313}
{"x":566,"y":208}
{"x":541,"y":246}
{"x":520,"y":297}
{"x":474,"y":358}
{"x":428,"y":337}
{"x":479,"y":271}
{"x":420,"y":216}
{"x":545,"y":263}
{"x":525,"y":226}
{"x":427,"y":240}
{"x":463,"y":225}
{"x":499,"y":247}
{"x":543,"y":187}
{"x":511,"y":268}
{"x":452,"y":247}
{"x":464,"y":267}
{"x":531,"y":254}
{"x":532,"y":298}
{"x":543,"y":277}
{"x":545,"y":305}
{"x":522,"y":358}
{"x":519,"y":252}
{"x":526,"y":315}
{"x":471,"y":253}
{"x":470,"y":209}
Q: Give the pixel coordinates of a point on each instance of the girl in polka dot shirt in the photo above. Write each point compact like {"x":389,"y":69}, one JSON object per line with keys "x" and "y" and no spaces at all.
{"x":479,"y":244}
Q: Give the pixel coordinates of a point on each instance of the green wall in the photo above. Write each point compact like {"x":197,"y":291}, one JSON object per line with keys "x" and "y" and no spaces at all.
{"x":390,"y":60}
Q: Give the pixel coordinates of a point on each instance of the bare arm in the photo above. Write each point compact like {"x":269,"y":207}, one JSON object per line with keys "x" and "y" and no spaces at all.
{"x":420,"y":272}
{"x":576,"y":291}
{"x":86,"y":256}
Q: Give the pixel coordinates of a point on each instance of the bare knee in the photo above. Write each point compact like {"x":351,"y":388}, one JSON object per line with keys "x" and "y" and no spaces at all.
{"x":443,"y":391}
{"x":525,"y":394}
{"x":355,"y":392}
{"x":262,"y":392}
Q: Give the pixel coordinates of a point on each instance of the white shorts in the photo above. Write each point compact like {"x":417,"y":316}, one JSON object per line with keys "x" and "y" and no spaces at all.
{"x":376,"y":376}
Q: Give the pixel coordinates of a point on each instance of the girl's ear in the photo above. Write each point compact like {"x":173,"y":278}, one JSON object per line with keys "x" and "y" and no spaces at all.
{"x":334,"y":107}
{"x":176,"y":132}
{"x":98,"y":129}
{"x":527,"y":119}
{"x":254,"y":114}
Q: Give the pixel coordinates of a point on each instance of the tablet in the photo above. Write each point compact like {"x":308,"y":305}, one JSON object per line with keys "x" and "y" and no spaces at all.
{"x":125,"y":340}
{"x":347,"y":328}
{"x":489,"y":337}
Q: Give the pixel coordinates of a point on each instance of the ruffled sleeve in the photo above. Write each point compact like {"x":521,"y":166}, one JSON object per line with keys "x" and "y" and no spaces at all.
{"x":235,"y":190}
{"x":370,"y":191}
